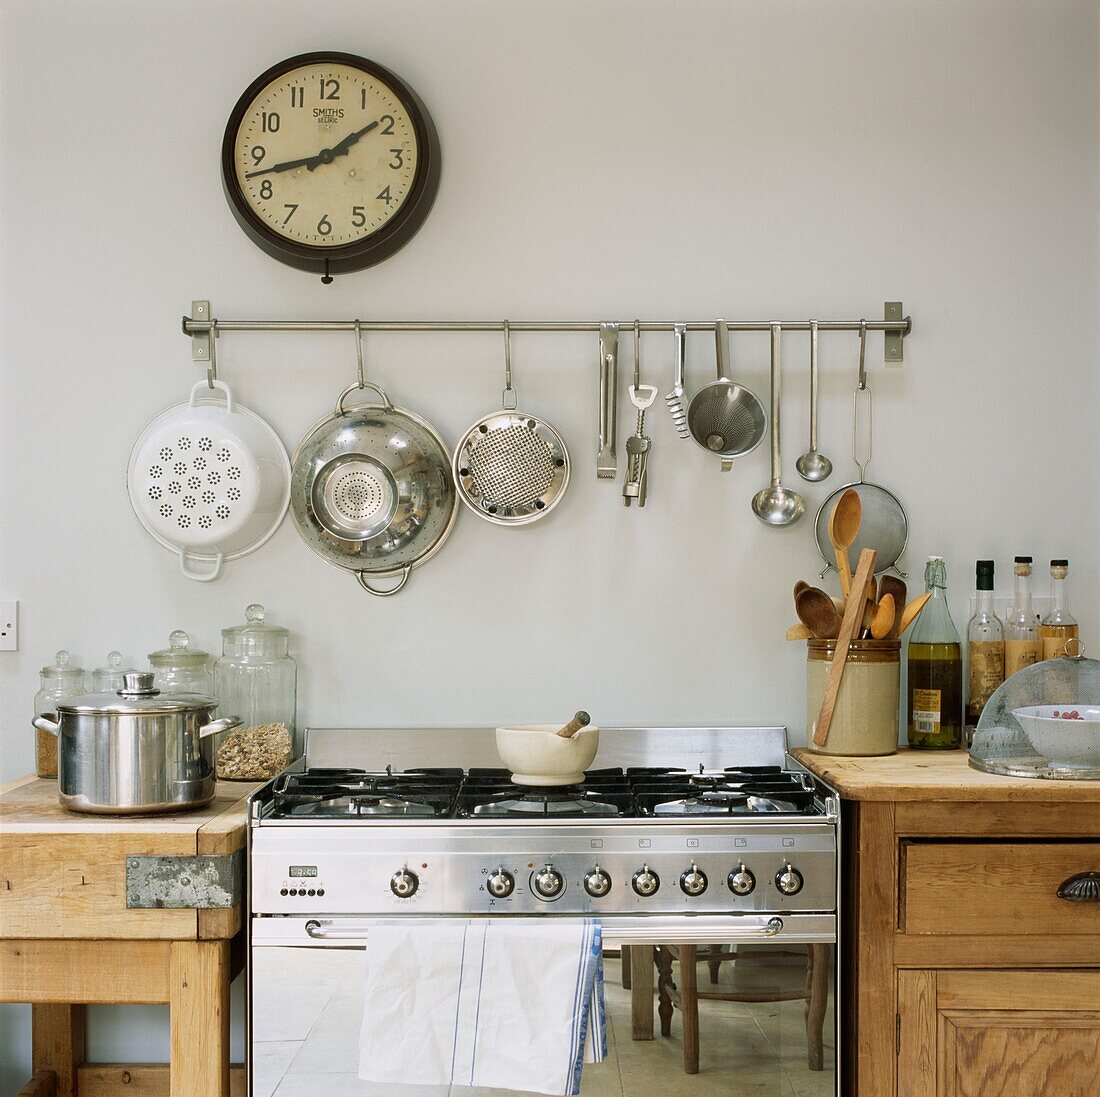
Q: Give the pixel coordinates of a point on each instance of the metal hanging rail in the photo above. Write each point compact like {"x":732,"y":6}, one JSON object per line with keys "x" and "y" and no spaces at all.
{"x":201,"y":326}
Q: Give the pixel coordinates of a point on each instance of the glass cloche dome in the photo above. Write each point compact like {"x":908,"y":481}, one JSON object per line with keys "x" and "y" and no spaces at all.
{"x":1002,"y":745}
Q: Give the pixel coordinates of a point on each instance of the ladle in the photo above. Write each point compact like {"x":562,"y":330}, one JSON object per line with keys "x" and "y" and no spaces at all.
{"x":843,"y":527}
{"x":777,"y":505}
{"x":813,"y":466}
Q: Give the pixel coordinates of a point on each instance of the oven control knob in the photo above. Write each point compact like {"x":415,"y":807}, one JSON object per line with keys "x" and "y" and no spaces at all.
{"x":645,"y":881}
{"x":789,"y":880}
{"x":597,"y":883}
{"x":549,"y":882}
{"x":404,"y":884}
{"x":741,"y":881}
{"x":501,"y":884}
{"x":694,"y":881}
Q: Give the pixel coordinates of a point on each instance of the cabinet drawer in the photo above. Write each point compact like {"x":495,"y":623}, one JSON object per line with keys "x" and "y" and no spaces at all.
{"x":995,"y":888}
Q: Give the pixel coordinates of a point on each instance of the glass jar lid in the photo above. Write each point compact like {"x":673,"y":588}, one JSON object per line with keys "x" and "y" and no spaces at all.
{"x":178,"y":653}
{"x":255,"y":636}
{"x":62,"y":667}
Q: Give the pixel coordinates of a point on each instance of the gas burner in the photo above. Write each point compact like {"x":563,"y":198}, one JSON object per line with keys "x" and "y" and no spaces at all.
{"x":575,"y":802}
{"x":335,"y":794}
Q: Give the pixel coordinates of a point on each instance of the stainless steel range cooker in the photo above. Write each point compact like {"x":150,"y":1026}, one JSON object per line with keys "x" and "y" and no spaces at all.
{"x":689,"y":844}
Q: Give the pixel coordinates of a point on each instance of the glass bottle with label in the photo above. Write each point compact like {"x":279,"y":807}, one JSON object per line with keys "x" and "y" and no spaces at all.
{"x":935,"y":669}
{"x":1059,"y":625}
{"x":1022,"y":644}
{"x":985,"y":640}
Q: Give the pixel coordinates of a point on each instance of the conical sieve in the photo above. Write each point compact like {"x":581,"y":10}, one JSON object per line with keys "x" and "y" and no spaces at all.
{"x":726,"y":418}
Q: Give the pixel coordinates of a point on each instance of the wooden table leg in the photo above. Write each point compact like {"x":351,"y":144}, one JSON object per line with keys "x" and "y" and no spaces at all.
{"x":57,"y":1043}
{"x":625,"y":965}
{"x":199,"y":1011}
{"x":641,"y":992}
{"x":818,"y":974}
{"x":689,"y":1008}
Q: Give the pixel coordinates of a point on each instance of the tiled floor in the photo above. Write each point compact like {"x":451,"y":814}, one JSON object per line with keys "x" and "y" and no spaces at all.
{"x":746,"y":1050}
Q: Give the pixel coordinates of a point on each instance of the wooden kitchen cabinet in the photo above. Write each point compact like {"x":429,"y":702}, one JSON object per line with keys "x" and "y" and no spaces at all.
{"x":964,"y":973}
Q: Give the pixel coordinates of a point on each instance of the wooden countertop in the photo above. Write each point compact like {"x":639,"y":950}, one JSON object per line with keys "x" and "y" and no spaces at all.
{"x":936,"y":775}
{"x":63,"y":874}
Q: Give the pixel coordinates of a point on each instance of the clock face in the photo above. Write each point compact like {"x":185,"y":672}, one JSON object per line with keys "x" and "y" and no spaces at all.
{"x":330,"y":162}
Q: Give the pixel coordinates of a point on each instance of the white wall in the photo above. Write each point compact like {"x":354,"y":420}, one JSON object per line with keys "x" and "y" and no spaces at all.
{"x":601,"y":160}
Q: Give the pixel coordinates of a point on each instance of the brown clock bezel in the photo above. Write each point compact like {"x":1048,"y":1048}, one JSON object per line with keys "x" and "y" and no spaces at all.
{"x":388,"y":239}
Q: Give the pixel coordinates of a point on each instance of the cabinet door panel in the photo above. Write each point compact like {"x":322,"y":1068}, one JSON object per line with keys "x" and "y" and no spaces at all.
{"x":998,"y":1033}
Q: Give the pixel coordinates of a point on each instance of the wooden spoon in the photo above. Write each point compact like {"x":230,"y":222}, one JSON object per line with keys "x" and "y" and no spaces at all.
{"x":800,"y":586}
{"x":581,"y":720}
{"x":800,"y":632}
{"x":883,"y":620}
{"x":853,"y":613}
{"x":843,"y":527}
{"x":891,"y":584}
{"x":912,"y":612}
{"x":816,"y":611}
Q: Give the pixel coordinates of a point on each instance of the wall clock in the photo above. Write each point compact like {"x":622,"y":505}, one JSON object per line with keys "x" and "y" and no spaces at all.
{"x":330,"y":162}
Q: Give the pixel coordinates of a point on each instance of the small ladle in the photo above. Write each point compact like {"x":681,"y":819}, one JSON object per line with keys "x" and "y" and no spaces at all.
{"x":811,"y":465}
{"x":777,"y":505}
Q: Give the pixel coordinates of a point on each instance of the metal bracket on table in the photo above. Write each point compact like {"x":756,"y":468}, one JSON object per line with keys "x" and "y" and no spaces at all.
{"x":184,"y":883}
{"x":894,"y":341}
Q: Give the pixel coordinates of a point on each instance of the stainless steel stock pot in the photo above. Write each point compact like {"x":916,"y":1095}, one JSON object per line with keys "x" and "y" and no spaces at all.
{"x":135,"y":751}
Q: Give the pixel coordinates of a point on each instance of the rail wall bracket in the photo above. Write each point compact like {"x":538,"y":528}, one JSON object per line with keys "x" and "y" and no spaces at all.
{"x":894,"y":341}
{"x":200,"y":340}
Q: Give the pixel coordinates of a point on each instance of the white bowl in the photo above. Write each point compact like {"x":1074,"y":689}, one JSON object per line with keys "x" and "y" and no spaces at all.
{"x":537,"y":755}
{"x":1066,"y":744}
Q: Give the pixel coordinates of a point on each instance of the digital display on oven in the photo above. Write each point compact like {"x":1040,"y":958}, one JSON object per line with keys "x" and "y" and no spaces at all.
{"x":302,"y":871}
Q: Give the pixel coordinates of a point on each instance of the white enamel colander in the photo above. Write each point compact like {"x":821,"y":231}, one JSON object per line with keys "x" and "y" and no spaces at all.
{"x":209,"y":480}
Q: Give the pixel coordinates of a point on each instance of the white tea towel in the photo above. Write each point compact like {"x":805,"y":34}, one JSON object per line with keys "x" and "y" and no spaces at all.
{"x":486,"y":1002}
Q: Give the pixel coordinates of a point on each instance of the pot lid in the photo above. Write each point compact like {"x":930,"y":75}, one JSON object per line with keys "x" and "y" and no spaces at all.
{"x":137,"y":696}
{"x":178,"y":654}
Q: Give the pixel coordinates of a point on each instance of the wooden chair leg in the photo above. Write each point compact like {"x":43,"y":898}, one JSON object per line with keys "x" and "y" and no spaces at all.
{"x":43,"y":1084}
{"x":641,"y":992}
{"x":818,"y":975}
{"x":625,"y":964}
{"x":664,"y":985}
{"x":715,"y":967}
{"x":689,"y":1008}
{"x":57,"y":1043}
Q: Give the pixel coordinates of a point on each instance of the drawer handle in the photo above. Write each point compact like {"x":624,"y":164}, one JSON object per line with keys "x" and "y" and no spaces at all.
{"x":1082,"y":888}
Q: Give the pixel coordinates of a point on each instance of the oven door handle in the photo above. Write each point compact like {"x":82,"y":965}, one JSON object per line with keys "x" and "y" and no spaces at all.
{"x":328,"y":931}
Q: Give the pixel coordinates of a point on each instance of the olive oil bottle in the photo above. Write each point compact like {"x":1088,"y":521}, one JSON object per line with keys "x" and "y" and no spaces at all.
{"x":935,"y":688}
{"x":1059,"y":626}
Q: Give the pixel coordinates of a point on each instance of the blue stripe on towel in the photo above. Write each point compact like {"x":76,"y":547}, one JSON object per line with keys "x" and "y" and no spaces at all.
{"x":458,"y":1002}
{"x":589,"y":969}
{"x":578,"y":986}
{"x":477,"y":1012}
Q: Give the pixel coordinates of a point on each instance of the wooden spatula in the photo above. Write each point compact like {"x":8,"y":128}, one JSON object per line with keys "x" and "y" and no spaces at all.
{"x":853,"y":615}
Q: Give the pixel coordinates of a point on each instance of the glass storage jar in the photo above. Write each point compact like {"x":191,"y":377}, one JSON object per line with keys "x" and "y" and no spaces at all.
{"x":256,"y":679}
{"x":59,"y":680}
{"x":108,"y":679}
{"x":180,"y":668}
{"x":865,"y":719}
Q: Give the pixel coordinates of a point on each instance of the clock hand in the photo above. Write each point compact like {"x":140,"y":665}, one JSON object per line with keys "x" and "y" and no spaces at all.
{"x":326,"y":156}
{"x":285,"y":166}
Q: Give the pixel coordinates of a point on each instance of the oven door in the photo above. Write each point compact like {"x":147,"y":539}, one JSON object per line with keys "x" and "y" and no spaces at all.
{"x":714,"y":1007}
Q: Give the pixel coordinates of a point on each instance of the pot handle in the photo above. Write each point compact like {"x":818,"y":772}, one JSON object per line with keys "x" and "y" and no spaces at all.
{"x":200,"y":576}
{"x":206,"y":386}
{"x":356,"y":387}
{"x":216,"y":727}
{"x":361,"y":576}
{"x":47,"y":721}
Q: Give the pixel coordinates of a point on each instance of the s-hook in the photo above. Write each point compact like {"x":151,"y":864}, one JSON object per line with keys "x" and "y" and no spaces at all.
{"x":359,"y":354}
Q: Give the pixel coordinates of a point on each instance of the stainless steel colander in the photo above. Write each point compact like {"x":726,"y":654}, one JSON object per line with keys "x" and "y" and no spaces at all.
{"x":511,"y":467}
{"x":724,"y":417}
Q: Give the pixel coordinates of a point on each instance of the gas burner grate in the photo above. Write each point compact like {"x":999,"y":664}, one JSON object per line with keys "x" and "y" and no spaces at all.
{"x":490,"y":793}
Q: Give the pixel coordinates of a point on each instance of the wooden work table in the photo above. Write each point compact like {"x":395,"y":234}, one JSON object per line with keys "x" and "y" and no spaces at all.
{"x":964,"y":971}
{"x":94,"y":909}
